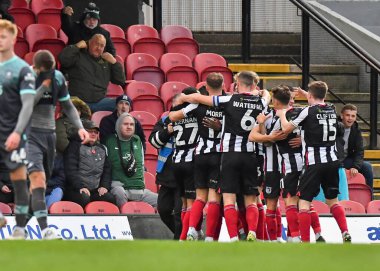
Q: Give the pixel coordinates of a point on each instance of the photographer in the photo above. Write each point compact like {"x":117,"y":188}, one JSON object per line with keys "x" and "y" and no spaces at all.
{"x":126,"y":155}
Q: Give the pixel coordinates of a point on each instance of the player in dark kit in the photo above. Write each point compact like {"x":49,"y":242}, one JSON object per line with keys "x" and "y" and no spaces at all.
{"x":17,"y":90}
{"x":319,"y":124}
{"x":206,"y":160}
{"x":238,"y":162}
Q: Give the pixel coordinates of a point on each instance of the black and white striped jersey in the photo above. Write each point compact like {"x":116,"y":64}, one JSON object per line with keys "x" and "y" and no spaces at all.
{"x":209,"y":139}
{"x":292,"y":160}
{"x":185,"y":139}
{"x":240,"y":112}
{"x":319,"y":126}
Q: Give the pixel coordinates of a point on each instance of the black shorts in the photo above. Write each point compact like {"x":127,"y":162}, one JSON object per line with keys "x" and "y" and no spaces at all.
{"x":184,"y":176}
{"x":40,"y":150}
{"x":16,"y":158}
{"x":289,"y":184}
{"x":260,"y":168}
{"x":207,"y":170}
{"x":239,"y":173}
{"x":324,"y":175}
{"x":272,"y":184}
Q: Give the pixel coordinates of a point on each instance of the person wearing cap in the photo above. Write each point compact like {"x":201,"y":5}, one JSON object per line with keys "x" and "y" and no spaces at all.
{"x":107,"y":124}
{"x":89,"y":70}
{"x":87,"y":169}
{"x":86,"y":27}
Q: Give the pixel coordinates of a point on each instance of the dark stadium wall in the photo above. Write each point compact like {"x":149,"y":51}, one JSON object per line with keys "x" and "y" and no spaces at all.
{"x":119,"y":12}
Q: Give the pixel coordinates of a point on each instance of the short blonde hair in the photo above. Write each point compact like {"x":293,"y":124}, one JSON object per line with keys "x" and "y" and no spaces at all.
{"x":9,"y":26}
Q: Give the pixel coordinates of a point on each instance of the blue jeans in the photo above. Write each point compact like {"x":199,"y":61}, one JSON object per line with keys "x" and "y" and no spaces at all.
{"x":366,"y":170}
{"x":343,"y":188}
{"x":55,"y":196}
{"x":105,"y":104}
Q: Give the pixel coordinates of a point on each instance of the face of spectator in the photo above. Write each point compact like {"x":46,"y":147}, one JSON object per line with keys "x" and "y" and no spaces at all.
{"x":7,"y":40}
{"x":127,"y":128}
{"x":93,"y":134}
{"x":348,"y":118}
{"x":96,"y":47}
{"x":122,"y":107}
{"x":91,"y":22}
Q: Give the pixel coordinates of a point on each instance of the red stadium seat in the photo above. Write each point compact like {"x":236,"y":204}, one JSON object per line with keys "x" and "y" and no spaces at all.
{"x":99,"y":115}
{"x":144,"y":67}
{"x":145,"y":39}
{"x":200,"y":84}
{"x":147,"y":120}
{"x":149,"y":103}
{"x":137,"y":207}
{"x":321,"y":207}
{"x":138,"y":88}
{"x":5,"y":209}
{"x":19,"y":4}
{"x":373,"y":207}
{"x":29,"y":57}
{"x":359,"y":178}
{"x":65,"y":207}
{"x":352,"y":207}
{"x":150,"y":165}
{"x":178,"y":67}
{"x":119,"y":41}
{"x":179,"y":39}
{"x":150,"y":182}
{"x":168,"y":90}
{"x":48,"y":12}
{"x":63,"y":36}
{"x":114,"y":91}
{"x":23,"y":17}
{"x":360,"y":193}
{"x":101,"y":207}
{"x":120,"y":60}
{"x":22,"y":46}
{"x":206,"y":63}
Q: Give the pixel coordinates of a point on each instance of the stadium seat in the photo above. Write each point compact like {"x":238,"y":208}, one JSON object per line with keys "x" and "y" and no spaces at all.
{"x":352,"y":207}
{"x":179,"y":39}
{"x":144,"y":67}
{"x":119,"y":41}
{"x":48,"y":12}
{"x":29,"y":57}
{"x":101,"y":207}
{"x":200,"y":84}
{"x":168,"y":90}
{"x":150,"y":164}
{"x":63,"y":36}
{"x":22,"y":46}
{"x":373,"y":207}
{"x":19,"y":4}
{"x":23,"y":17}
{"x":114,"y":90}
{"x":150,"y":182}
{"x":178,"y":67}
{"x":65,"y":207}
{"x":98,"y":115}
{"x":206,"y":63}
{"x":138,"y":88}
{"x":149,"y":103}
{"x":358,"y":179}
{"x":360,"y":193}
{"x":321,"y":207}
{"x":137,"y":207}
{"x":147,"y":120}
{"x":120,"y":60}
{"x":145,"y":39}
{"x":5,"y":209}
{"x":42,"y":36}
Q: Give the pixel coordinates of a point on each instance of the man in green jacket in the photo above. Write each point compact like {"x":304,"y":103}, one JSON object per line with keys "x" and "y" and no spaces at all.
{"x":126,"y":156}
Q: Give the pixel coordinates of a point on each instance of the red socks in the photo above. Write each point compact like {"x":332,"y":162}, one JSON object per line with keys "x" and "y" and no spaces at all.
{"x":261,"y":222}
{"x":185,"y":225}
{"x":279,"y":224}
{"x":292,"y":219}
{"x":304,"y":225}
{"x":196,"y":213}
{"x":271,"y":224}
{"x":338,"y":213}
{"x":212,"y":219}
{"x":315,"y":220}
{"x":232,"y":217}
{"x":218,"y":228}
{"x":243,"y":220}
{"x":252,"y":216}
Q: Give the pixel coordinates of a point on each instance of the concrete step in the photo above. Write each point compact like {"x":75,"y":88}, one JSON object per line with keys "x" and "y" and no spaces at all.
{"x":376,"y":170}
{"x":376,"y":183}
{"x":256,"y":49}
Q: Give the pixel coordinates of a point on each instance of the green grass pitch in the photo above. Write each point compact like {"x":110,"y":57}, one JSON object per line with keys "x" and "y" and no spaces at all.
{"x":170,"y":255}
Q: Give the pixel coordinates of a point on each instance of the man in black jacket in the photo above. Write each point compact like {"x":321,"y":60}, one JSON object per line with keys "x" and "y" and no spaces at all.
{"x":107,"y":124}
{"x":86,"y":27}
{"x":353,"y":145}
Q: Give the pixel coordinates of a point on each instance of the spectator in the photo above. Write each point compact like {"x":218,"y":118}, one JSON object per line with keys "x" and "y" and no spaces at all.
{"x":90,"y":70}
{"x":86,"y":27}
{"x":4,"y":6}
{"x":127,"y":161}
{"x":6,"y":187}
{"x":353,"y":145}
{"x":107,"y":124}
{"x":87,"y":169}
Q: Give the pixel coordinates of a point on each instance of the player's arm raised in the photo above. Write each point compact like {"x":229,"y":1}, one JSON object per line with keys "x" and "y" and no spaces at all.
{"x":197,"y":98}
